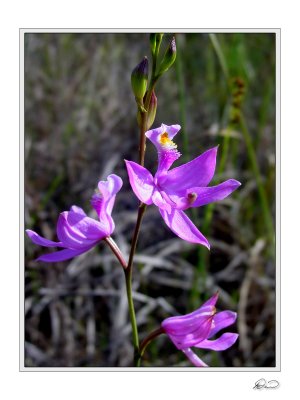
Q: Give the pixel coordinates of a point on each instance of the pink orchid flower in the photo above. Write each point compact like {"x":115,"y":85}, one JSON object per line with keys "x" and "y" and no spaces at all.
{"x":78,"y":233}
{"x":178,"y":189}
{"x":197,"y":328}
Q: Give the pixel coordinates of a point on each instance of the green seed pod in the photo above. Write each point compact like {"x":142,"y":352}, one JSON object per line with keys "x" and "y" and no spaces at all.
{"x":139,"y":79}
{"x":169,"y":57}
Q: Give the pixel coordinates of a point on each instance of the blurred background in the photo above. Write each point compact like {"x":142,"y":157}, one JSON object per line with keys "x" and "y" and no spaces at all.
{"x":80,"y":124}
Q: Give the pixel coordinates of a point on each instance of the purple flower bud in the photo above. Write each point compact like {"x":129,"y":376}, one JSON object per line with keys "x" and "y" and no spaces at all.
{"x":169,"y":57}
{"x":139,"y":79}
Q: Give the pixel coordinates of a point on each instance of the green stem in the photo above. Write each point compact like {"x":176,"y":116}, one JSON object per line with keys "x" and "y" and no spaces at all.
{"x":218,"y":49}
{"x":141,"y":211}
{"x":261,"y":190}
{"x":128,"y":278}
{"x":182,"y":105}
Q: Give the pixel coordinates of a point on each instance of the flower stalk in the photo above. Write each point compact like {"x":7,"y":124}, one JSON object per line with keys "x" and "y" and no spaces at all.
{"x":115,"y":249}
{"x":148,"y":339}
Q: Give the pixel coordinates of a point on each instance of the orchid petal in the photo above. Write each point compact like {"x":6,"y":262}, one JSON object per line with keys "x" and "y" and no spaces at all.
{"x":76,"y":230}
{"x":211,"y":302}
{"x":188,"y":330}
{"x":141,"y":181}
{"x":62,"y":255}
{"x":187,"y":323}
{"x":200,"y":333}
{"x":167,"y":149}
{"x":103,"y":201}
{"x":154,"y":134}
{"x":206,"y":195}
{"x":159,"y":201}
{"x":183,"y":227}
{"x":222,"y":343}
{"x":222,"y":320}
{"x":198,"y":172}
{"x":194,"y":359}
{"x":37,"y":239}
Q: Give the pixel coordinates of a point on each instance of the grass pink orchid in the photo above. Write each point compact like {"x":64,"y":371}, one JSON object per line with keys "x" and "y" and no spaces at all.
{"x":78,"y":233}
{"x":178,"y":189}
{"x":197,"y":328}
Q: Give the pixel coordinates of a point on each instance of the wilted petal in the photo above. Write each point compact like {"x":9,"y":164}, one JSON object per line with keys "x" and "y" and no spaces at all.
{"x":222,"y":343}
{"x":37,"y":239}
{"x":194,"y":359}
{"x":62,"y":255}
{"x":222,"y":320}
{"x":183,"y":227}
{"x":198,"y":172}
{"x":206,"y":195}
{"x":141,"y":181}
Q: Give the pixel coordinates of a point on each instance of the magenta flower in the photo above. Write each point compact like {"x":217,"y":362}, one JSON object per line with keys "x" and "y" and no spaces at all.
{"x":78,"y":233}
{"x":178,"y":189}
{"x":197,"y":328}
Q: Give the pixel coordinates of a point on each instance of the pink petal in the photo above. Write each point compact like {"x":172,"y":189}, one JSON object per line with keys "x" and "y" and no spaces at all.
{"x":188,"y":330}
{"x":141,"y":181}
{"x":62,"y":255}
{"x":154,"y":134}
{"x":183,"y":324}
{"x":206,"y":195}
{"x":222,"y":343}
{"x":37,"y":239}
{"x":222,"y":320}
{"x":159,"y":201}
{"x":103,"y":201}
{"x":75,"y":230}
{"x":166,"y":148}
{"x":183,"y":227}
{"x":194,"y":359}
{"x":211,"y":302}
{"x":198,"y":172}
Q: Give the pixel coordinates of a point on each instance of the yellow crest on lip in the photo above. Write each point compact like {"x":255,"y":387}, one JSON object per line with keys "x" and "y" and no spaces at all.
{"x":166,"y":141}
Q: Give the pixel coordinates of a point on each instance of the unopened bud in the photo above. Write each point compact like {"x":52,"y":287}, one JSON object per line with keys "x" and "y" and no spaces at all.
{"x":151,"y":110}
{"x":139,"y":78}
{"x":169,"y":57}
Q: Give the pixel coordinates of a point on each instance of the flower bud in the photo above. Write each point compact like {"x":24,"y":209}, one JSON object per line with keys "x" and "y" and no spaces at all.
{"x":139,"y":78}
{"x":169,"y":57}
{"x":151,"y":110}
